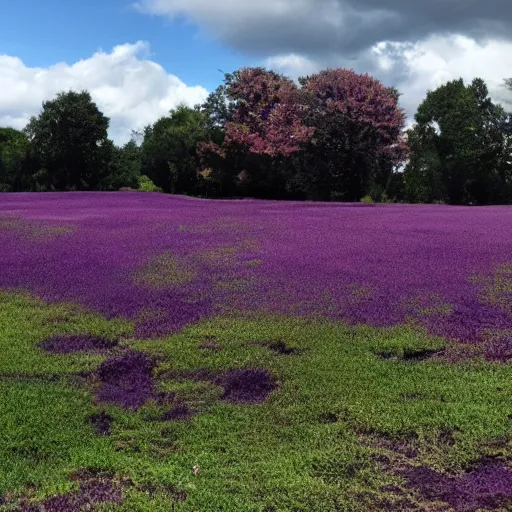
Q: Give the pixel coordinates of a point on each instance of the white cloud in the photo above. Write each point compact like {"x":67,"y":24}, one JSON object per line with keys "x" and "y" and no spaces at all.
{"x":418,"y":67}
{"x":292,"y":65}
{"x":127,"y":87}
{"x":413,"y":45}
{"x":430,"y":63}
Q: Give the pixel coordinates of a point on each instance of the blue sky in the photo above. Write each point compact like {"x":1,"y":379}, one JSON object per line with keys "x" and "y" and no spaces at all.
{"x":140,"y":63}
{"x":44,"y":32}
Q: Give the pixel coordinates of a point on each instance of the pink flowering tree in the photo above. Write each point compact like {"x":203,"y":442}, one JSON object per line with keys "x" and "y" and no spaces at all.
{"x":268,"y":117}
{"x":339,"y":135}
{"x":263,"y":129}
{"x":358,"y":138}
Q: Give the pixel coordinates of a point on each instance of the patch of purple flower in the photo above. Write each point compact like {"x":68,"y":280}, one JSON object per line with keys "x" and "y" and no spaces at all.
{"x":499,"y":349}
{"x":68,"y":343}
{"x":90,"y":493}
{"x":126,"y":380}
{"x":251,"y":385}
{"x":487,"y":487}
{"x":381,"y":265}
{"x":101,"y":423}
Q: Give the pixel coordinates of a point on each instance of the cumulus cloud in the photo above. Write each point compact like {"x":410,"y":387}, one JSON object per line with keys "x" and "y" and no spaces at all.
{"x":128,"y":87}
{"x":425,"y":65}
{"x":415,"y":68}
{"x":411,"y":44}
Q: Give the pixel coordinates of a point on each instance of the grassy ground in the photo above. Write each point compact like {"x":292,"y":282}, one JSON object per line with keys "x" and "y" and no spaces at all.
{"x":352,"y":407}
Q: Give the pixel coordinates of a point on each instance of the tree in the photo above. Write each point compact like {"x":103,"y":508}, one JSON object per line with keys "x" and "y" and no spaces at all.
{"x":69,"y":138}
{"x":14,"y":160}
{"x":124,"y":168}
{"x":267,"y":118}
{"x":422,"y":176}
{"x":357,"y":139}
{"x":460,"y":144}
{"x":169,"y":150}
{"x":261,"y":118}
{"x":218,"y":111}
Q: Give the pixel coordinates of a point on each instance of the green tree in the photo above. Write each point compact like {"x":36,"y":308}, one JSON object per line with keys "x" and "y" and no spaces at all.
{"x":218,"y":110}
{"x":460,"y":150}
{"x":422,"y":176}
{"x":169,"y":150}
{"x":69,"y":139}
{"x":14,"y":160}
{"x":124,"y":168}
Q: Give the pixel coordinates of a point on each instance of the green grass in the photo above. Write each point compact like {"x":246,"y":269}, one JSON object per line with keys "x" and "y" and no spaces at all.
{"x":347,"y":394}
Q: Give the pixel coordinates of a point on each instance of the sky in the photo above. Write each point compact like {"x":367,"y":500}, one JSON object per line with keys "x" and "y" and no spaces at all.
{"x":141,"y":59}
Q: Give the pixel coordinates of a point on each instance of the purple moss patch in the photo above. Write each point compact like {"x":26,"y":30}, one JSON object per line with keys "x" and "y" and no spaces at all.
{"x":406,"y":444}
{"x":486,"y":487}
{"x":251,"y":385}
{"x":68,"y":343}
{"x":499,"y":350}
{"x":126,"y":380}
{"x":434,"y":244}
{"x":101,"y":423}
{"x":89,"y":494}
{"x":180,"y":412}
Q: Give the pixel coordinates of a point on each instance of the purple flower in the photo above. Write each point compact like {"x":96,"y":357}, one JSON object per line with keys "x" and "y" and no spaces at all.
{"x":434,"y":265}
{"x":126,"y":380}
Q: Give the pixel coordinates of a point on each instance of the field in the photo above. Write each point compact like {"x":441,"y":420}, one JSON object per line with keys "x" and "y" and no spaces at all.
{"x":165,"y":353}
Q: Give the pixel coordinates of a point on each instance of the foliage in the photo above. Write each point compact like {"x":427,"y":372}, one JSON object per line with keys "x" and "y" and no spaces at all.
{"x":461,"y":153}
{"x":124,"y":167}
{"x":69,"y":139}
{"x":169,"y":150}
{"x":357,"y":138}
{"x":423,"y":174}
{"x":289,"y":141}
{"x":267,"y":119}
{"x":262,"y":127}
{"x":317,"y":443}
{"x":367,"y":199}
{"x":336,"y":135}
{"x":146,"y":185}
{"x":14,"y":147}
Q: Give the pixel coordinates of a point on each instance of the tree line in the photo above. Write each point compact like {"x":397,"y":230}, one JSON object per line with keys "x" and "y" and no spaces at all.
{"x":335,"y":136}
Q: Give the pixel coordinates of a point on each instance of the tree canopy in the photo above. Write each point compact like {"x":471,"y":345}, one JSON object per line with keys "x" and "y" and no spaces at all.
{"x":460,"y":152}
{"x":169,"y":154}
{"x":334,"y":135}
{"x":69,"y":139}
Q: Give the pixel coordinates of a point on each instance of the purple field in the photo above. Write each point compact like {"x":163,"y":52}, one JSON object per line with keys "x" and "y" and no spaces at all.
{"x":166,"y":261}
{"x":244,"y":380}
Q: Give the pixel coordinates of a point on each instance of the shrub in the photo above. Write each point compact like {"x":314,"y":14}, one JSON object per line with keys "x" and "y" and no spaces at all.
{"x":367,"y":199}
{"x":146,"y":185}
